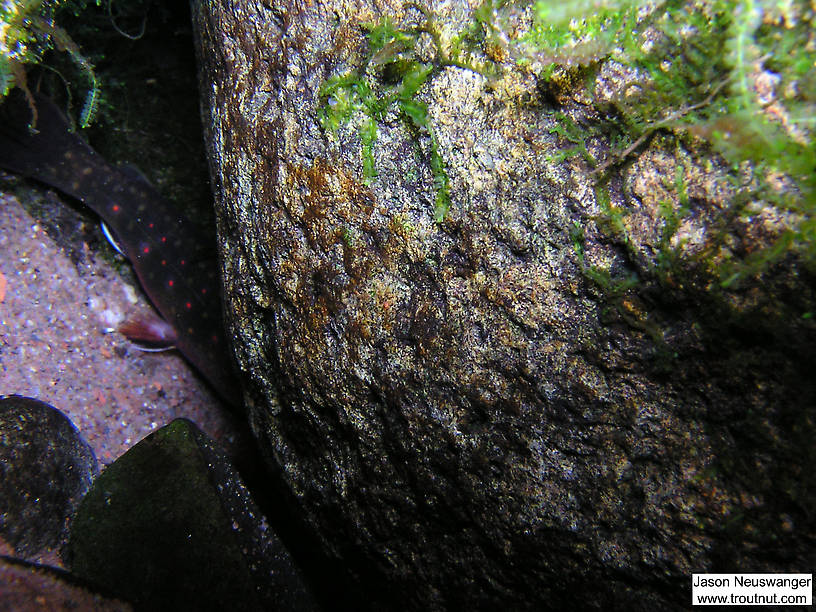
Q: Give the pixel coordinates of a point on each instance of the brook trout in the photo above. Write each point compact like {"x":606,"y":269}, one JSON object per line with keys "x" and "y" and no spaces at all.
{"x":176,"y":265}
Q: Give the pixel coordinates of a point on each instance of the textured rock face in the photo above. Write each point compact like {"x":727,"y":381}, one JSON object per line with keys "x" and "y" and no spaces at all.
{"x":169,"y":526}
{"x":452,"y":406}
{"x":46,"y":468}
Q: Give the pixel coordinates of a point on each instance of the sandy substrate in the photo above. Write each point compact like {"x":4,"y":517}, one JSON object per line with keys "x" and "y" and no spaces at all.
{"x":58,"y":343}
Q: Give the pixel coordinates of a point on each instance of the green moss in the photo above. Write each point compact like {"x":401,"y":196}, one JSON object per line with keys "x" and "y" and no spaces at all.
{"x":576,"y":33}
{"x":28,"y":31}
{"x":695,"y":67}
{"x":575,"y":135}
{"x":391,"y":77}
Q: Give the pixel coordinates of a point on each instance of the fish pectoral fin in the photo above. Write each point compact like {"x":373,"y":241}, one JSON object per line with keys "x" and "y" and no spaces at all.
{"x":152,"y":349}
{"x":152,"y":330}
{"x":106,"y":231}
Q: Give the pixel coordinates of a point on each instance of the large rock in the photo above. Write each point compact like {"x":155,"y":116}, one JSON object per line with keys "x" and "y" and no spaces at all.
{"x":170,"y":526}
{"x":453,"y":407}
{"x":45,"y":469}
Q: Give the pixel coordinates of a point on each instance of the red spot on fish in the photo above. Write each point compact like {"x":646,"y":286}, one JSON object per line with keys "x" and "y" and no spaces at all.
{"x":170,"y":283}
{"x":164,"y":262}
{"x":146,"y":250}
{"x":203,"y":292}
{"x":183,"y":262}
{"x":115,"y":208}
{"x":150,"y":225}
{"x":164,"y":239}
{"x":188,"y":305}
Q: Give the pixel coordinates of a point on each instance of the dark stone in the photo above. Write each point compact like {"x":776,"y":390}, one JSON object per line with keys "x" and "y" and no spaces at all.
{"x":460,"y":413}
{"x":45,"y":469}
{"x":26,"y":587}
{"x":169,"y":525}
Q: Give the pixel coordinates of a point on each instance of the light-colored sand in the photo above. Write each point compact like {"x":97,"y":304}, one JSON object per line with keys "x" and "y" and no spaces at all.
{"x":58,"y":344}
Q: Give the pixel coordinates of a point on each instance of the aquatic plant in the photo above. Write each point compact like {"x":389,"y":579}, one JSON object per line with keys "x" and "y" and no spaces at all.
{"x":693,"y":64}
{"x":695,"y":68}
{"x":391,"y":76}
{"x":27,"y":31}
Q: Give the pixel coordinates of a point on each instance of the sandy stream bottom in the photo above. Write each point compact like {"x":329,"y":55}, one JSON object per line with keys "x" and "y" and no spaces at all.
{"x":58,"y":344}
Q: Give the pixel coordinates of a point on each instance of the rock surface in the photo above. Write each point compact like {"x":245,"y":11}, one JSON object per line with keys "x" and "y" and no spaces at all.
{"x":170,"y":526}
{"x":454,"y":409}
{"x":46,"y":468}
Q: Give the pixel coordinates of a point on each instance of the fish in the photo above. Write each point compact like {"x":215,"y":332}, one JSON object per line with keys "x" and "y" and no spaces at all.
{"x":176,"y":263}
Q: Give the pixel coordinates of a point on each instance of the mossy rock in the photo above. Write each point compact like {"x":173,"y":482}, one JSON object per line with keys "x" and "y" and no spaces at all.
{"x":472,"y":404}
{"x":169,"y":525}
